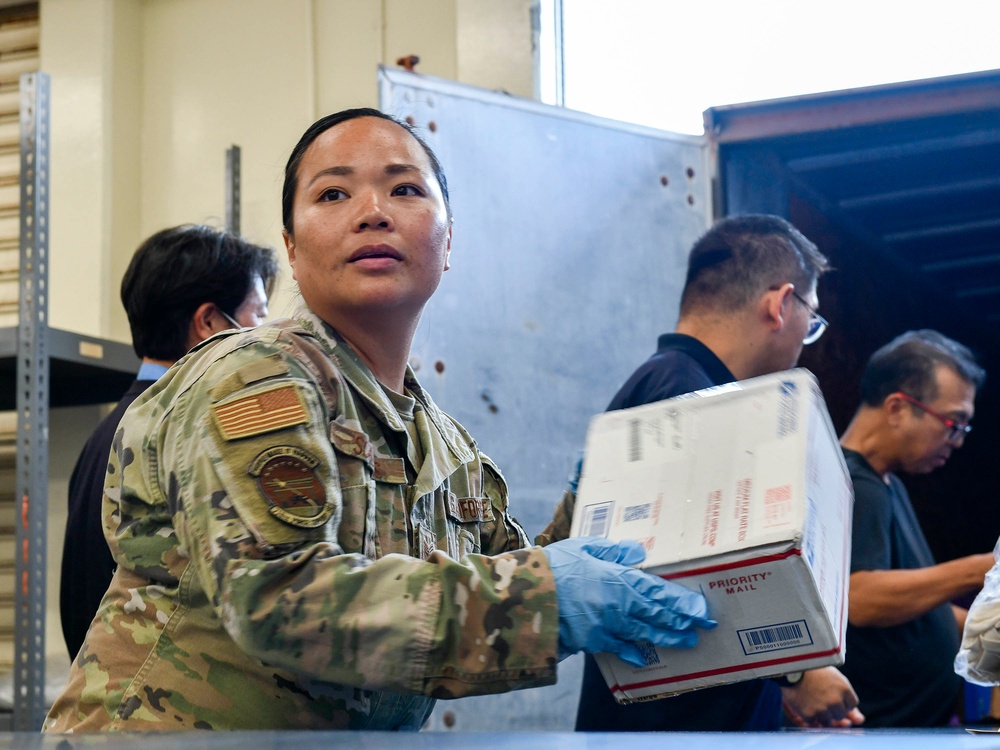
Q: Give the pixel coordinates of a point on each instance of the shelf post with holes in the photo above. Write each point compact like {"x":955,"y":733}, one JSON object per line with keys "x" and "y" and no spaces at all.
{"x":32,"y":403}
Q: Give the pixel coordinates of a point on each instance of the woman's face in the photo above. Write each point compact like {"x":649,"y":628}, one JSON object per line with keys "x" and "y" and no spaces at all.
{"x":372,"y":234}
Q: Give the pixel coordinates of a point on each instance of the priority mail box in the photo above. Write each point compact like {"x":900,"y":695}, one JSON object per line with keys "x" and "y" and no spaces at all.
{"x":740,"y":492}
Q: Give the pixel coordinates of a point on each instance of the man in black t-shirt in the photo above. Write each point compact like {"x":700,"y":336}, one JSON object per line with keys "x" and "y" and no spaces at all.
{"x":748,"y":306}
{"x":903,"y":632}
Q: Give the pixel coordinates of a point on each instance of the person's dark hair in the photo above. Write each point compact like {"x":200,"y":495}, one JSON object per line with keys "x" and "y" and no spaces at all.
{"x":325,"y":123}
{"x":741,"y":257}
{"x":175,"y":271}
{"x":909,"y":362}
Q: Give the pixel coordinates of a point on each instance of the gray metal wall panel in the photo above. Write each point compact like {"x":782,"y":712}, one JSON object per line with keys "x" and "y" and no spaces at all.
{"x":568,"y":259}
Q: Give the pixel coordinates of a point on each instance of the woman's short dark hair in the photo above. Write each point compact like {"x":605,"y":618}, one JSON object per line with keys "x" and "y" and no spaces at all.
{"x":178,"y":269}
{"x":909,"y":363}
{"x":322,"y":125}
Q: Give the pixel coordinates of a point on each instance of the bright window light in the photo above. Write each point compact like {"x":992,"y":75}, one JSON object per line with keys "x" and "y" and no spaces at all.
{"x":663,"y":62}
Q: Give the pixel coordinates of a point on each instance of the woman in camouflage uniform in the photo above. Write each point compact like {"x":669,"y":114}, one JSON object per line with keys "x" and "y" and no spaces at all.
{"x":303,"y":539}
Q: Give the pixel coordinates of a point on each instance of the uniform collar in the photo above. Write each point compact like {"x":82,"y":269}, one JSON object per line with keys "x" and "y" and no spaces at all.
{"x":361,"y":378}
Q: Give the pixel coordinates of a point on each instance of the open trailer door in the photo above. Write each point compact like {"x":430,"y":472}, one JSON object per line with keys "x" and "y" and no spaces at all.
{"x":570,"y":245}
{"x":569,"y":253}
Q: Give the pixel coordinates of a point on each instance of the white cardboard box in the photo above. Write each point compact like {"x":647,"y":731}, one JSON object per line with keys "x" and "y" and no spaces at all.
{"x":741,"y":492}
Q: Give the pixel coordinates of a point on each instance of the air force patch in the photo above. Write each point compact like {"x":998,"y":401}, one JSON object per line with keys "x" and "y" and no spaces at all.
{"x":286,"y":476}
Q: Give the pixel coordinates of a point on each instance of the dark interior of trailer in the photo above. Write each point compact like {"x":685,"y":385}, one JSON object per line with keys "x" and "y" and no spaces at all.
{"x":900,"y":186}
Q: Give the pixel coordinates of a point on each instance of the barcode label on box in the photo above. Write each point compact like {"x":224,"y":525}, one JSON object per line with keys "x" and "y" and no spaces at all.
{"x":649,"y":656}
{"x":596,"y":519}
{"x":775,"y":637}
{"x":637,"y":513}
{"x":634,"y":440}
{"x":787,"y":415}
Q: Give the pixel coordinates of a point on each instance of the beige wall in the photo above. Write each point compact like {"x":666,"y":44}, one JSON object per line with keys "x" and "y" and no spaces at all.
{"x":147,"y":95}
{"x":78,"y":158}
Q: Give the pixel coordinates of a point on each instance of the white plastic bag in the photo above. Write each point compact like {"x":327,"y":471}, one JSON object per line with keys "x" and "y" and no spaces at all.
{"x":978,"y":659}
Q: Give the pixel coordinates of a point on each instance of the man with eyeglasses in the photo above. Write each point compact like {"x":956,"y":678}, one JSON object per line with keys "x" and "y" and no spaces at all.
{"x":917,"y":397}
{"x":748,"y":306}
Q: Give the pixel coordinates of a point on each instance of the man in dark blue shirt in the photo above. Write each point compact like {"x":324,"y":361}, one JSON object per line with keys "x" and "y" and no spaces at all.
{"x":182,"y":285}
{"x":748,"y":306}
{"x":918,"y":394}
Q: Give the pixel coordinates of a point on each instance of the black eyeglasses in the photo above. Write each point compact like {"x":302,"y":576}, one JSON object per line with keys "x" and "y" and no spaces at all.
{"x":956,"y":430}
{"x":817,"y":323}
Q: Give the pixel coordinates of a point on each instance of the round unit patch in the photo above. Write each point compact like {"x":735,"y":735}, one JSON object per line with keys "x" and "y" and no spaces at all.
{"x":286,"y":476}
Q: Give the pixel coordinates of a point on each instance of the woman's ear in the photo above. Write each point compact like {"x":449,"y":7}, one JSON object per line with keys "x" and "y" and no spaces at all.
{"x":447,"y":251}
{"x":290,"y":249}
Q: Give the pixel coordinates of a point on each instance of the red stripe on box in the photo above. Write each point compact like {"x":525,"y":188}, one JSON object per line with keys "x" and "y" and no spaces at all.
{"x":725,"y":670}
{"x":738,"y":564}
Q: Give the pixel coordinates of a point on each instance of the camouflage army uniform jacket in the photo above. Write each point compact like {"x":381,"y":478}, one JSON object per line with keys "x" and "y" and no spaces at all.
{"x":289,"y":558}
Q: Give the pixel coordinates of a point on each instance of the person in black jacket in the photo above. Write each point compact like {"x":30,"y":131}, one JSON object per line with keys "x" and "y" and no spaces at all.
{"x":183,"y":285}
{"x":749,"y":305}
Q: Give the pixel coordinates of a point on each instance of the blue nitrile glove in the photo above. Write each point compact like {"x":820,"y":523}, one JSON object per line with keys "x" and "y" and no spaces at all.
{"x":606,"y":606}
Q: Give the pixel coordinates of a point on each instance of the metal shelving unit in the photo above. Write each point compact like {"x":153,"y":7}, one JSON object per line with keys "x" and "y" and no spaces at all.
{"x":42,"y":367}
{"x":31,"y":397}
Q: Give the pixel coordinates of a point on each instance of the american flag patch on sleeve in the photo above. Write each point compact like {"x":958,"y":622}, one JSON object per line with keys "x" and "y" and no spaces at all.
{"x":264,"y":411}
